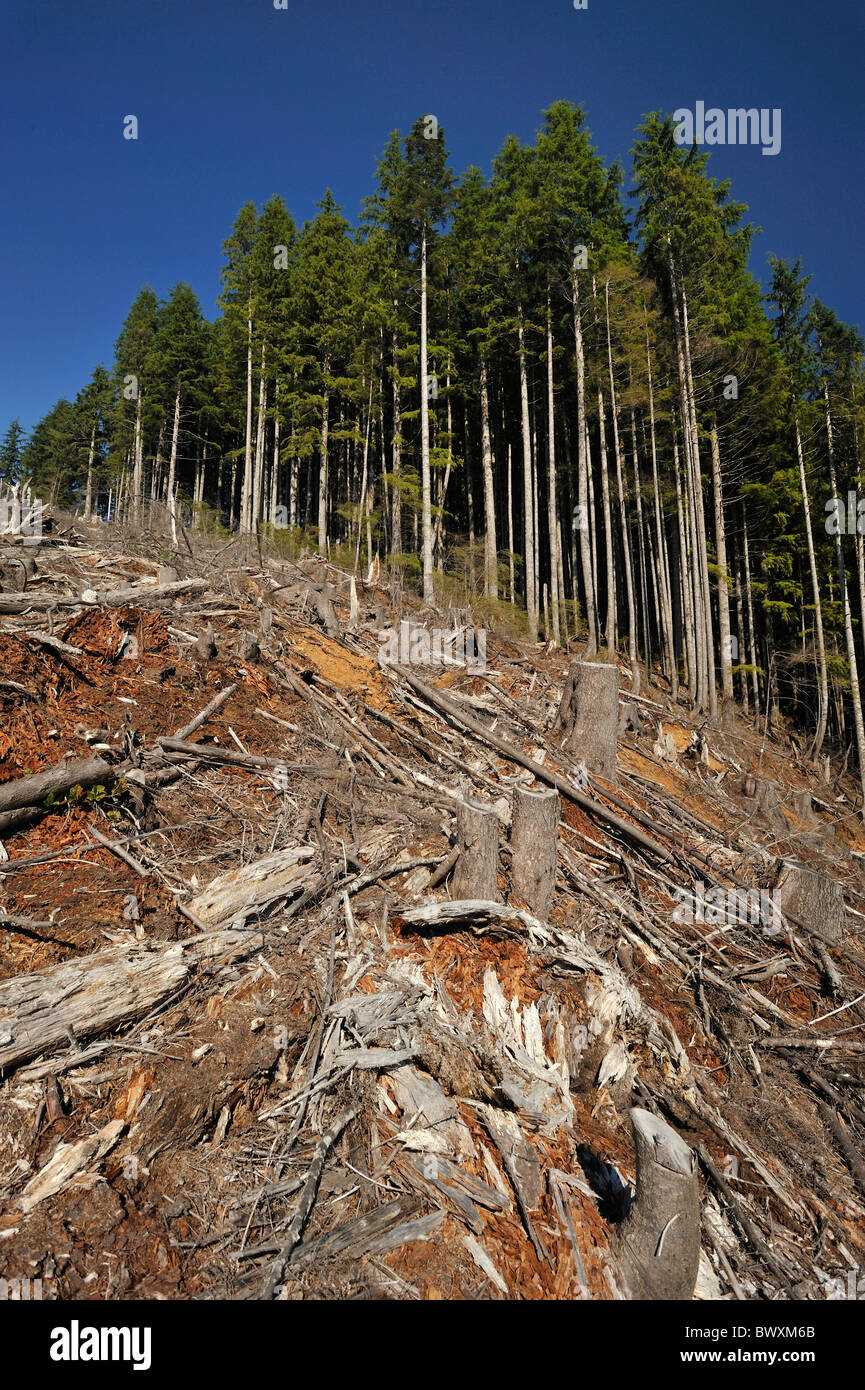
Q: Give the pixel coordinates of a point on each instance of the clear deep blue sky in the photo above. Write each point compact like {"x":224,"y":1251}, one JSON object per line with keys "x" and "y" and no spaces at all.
{"x":237,"y":101}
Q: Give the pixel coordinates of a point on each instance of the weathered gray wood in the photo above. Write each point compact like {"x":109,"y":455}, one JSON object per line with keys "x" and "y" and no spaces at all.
{"x":659,"y":1244}
{"x":249,"y":888}
{"x":814,"y":899}
{"x":148,"y":595}
{"x":534,"y":847}
{"x":95,"y":994}
{"x":85,"y":997}
{"x":32,"y":791}
{"x":588,"y":717}
{"x":476,"y":872}
{"x":216,"y":703}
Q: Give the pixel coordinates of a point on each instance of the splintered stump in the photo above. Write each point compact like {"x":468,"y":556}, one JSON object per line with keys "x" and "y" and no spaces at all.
{"x":660,"y":1237}
{"x":589,"y":716}
{"x":476,"y":872}
{"x":534,"y":848}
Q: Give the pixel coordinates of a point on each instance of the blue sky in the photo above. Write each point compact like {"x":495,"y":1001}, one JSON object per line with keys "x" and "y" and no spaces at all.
{"x":237,"y":100}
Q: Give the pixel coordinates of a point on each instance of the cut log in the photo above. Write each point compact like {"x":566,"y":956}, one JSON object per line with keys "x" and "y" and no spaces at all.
{"x":814,"y":899}
{"x":476,"y":872}
{"x":250,"y":888}
{"x":84,"y":998}
{"x":659,"y":1245}
{"x":32,"y":791}
{"x":93,"y":995}
{"x":534,"y":846}
{"x":150,"y":595}
{"x":588,"y":716}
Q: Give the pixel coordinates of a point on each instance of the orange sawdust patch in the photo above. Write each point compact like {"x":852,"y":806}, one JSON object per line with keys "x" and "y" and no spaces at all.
{"x":100,"y":632}
{"x":345,"y":669}
{"x":460,"y":960}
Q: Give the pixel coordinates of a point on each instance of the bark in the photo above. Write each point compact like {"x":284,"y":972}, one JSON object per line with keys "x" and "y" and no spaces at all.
{"x":33,"y":790}
{"x":528,"y":490}
{"x":534,"y":848}
{"x":476,"y":872}
{"x":588,"y":717}
{"x":491,"y":586}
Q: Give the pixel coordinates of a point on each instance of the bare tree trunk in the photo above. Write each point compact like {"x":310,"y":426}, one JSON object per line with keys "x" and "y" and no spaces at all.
{"x":551,"y":483}
{"x":172,"y":467}
{"x":589,"y":584}
{"x":246,"y":491}
{"x":491,"y":584}
{"x":528,"y":491}
{"x":426,"y":501}
{"x":723,"y":589}
{"x":822,"y":674}
{"x":396,"y":514}
{"x":323,"y":469}
{"x":608,"y":529}
{"x":626,"y":540}
{"x":88,"y":498}
{"x":855,"y":694}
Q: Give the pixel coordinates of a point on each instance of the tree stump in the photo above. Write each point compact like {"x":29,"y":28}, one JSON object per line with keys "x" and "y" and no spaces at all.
{"x":535,"y":847}
{"x":660,"y":1237}
{"x":813,"y":898}
{"x":589,"y":716}
{"x":476,"y":872}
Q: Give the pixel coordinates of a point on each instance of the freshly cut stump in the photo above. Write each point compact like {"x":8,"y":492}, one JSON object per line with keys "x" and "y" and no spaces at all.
{"x":476,"y":872}
{"x":534,"y":848}
{"x":589,"y":716}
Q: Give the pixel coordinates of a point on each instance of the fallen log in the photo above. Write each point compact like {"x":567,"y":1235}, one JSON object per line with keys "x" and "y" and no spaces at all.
{"x":143,"y":594}
{"x":84,"y":998}
{"x":96,"y":994}
{"x":32,"y":791}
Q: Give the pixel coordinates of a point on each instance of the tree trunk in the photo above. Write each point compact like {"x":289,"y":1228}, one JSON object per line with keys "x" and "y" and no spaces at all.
{"x":721,"y":552}
{"x":535,"y":848}
{"x":491,"y":584}
{"x":553,"y":521}
{"x":476,"y":872}
{"x":426,"y":498}
{"x":589,"y":587}
{"x":588,"y":716}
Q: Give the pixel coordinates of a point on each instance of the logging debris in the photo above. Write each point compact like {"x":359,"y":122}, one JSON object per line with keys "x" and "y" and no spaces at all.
{"x":326,"y":978}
